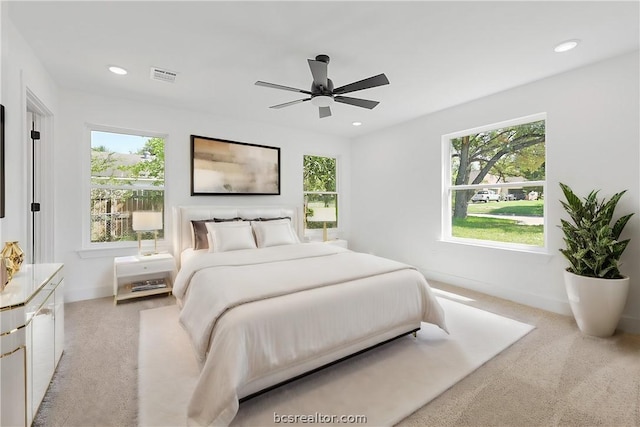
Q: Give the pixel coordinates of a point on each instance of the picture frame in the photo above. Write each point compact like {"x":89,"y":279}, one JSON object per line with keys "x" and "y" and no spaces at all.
{"x":2,"y":163}
{"x":223,"y":167}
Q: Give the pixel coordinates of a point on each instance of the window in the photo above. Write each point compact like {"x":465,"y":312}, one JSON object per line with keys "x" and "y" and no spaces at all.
{"x":320,"y":193}
{"x":127,"y":175}
{"x":495,"y":184}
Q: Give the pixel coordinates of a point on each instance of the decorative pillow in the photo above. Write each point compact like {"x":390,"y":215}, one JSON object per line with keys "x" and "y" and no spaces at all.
{"x":273,"y":219}
{"x":209,"y":241}
{"x":200,"y":233}
{"x":230,"y":236}
{"x":274,"y":233}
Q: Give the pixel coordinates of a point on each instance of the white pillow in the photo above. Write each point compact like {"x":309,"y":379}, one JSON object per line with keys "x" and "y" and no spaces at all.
{"x":274,"y":233}
{"x":230,"y":236}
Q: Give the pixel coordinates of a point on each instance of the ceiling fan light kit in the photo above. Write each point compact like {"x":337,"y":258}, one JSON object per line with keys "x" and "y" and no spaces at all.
{"x":322,"y":100}
{"x":323,"y":94}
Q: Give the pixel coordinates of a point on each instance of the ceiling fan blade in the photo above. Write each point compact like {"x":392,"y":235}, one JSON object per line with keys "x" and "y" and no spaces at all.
{"x":286,"y":104}
{"x":324,"y":111}
{"x":275,"y":86}
{"x":358,"y":102}
{"x":379,"y":80}
{"x":319,"y":72}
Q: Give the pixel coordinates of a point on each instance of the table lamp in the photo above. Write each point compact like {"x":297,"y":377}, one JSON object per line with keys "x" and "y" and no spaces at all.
{"x":147,"y":221}
{"x":323,"y":215}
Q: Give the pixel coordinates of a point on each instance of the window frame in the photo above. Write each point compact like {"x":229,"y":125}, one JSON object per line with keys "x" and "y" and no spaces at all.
{"x":448,"y":188}
{"x":101,"y":247}
{"x":314,"y":233}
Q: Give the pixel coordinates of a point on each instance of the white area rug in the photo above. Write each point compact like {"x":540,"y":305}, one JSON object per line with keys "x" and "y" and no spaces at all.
{"x":386,"y":384}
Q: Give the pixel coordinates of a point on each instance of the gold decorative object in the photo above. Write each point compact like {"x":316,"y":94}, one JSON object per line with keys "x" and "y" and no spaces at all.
{"x":13,"y":256}
{"x":4,"y":274}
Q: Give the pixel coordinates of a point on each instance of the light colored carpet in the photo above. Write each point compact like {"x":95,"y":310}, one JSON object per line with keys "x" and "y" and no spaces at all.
{"x":386,"y":384}
{"x":554,"y":376}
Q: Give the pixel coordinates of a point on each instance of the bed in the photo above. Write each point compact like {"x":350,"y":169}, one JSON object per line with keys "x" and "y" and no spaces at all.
{"x":259,"y":314}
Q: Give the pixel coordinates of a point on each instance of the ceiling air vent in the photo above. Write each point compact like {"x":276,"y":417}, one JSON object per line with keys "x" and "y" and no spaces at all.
{"x":163,"y":75}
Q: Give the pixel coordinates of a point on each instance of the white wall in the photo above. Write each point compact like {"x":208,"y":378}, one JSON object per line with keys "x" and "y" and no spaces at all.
{"x":21,"y":71}
{"x":91,"y":277}
{"x":592,"y":143}
{"x":2,"y":42}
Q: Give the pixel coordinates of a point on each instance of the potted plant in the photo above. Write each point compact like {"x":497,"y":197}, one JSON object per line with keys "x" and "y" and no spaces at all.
{"x":596,"y":289}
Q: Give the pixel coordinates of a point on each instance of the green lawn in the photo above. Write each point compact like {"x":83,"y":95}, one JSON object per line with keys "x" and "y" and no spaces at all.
{"x":502,"y":230}
{"x":498,"y":230}
{"x":515,"y":207}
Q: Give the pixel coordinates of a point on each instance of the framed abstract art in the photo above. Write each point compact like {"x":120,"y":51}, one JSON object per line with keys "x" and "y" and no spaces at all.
{"x":221,"y":167}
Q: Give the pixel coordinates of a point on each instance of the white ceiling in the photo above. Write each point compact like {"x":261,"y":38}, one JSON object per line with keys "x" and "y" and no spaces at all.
{"x":435,"y":54}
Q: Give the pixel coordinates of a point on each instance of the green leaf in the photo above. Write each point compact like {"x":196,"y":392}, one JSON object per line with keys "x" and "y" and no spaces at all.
{"x":592,"y":246}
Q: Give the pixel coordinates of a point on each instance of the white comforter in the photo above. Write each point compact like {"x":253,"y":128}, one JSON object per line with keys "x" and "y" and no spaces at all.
{"x":251,"y":313}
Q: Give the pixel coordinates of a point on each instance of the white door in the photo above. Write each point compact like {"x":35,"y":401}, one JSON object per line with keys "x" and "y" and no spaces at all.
{"x":40,"y":177}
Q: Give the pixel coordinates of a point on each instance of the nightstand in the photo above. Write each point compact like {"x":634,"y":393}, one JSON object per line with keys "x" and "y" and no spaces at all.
{"x":142,"y":275}
{"x":338,"y":242}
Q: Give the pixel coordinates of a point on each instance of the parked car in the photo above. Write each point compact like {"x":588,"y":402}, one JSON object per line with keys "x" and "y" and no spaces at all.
{"x":515,"y":195}
{"x":485,"y":196}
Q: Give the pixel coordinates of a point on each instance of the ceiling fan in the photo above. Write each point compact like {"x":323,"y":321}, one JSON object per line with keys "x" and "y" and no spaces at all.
{"x":322,"y":92}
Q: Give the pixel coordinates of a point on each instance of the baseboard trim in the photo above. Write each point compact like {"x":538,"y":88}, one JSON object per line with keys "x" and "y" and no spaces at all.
{"x":627,"y":323}
{"x":73,"y":295}
{"x":526,"y":298}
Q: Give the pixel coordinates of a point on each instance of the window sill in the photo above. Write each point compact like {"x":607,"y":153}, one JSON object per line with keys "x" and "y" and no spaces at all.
{"x":543,"y":253}
{"x":118,"y":249}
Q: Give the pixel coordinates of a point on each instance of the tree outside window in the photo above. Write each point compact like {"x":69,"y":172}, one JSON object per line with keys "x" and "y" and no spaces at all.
{"x":320,"y":189}
{"x":497,"y":181}
{"x":127,"y":175}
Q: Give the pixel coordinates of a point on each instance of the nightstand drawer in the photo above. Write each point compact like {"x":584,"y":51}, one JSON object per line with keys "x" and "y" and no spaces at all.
{"x":144,"y":267}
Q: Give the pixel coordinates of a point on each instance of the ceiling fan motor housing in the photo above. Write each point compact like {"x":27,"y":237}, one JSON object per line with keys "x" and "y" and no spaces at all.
{"x":320,"y":90}
{"x":323,"y":58}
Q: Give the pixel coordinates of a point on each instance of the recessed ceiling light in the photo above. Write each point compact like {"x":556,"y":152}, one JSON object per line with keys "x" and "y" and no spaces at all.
{"x":565,"y":46}
{"x":118,"y":70}
{"x":357,"y":123}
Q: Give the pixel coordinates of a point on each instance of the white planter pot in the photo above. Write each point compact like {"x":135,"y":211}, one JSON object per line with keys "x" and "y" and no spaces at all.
{"x":597,"y":304}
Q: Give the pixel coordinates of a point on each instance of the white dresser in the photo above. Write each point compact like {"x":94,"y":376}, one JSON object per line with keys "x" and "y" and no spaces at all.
{"x":31,"y":340}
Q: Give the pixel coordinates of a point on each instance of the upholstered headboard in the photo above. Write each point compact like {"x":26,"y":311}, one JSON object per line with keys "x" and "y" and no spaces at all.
{"x":182,"y":216}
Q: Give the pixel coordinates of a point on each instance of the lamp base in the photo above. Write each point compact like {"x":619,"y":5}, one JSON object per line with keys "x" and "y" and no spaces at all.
{"x":155,"y":244}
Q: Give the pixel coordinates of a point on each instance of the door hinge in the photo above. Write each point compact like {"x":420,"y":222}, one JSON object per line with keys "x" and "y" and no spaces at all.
{"x":35,"y":207}
{"x":35,"y":135}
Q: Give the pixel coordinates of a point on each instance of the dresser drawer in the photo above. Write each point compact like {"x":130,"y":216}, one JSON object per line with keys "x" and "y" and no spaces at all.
{"x":11,"y":319}
{"x":11,"y":330}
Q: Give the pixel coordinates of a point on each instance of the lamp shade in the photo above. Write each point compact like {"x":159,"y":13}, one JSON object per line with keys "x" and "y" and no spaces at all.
{"x":146,"y":221}
{"x":323,"y":215}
